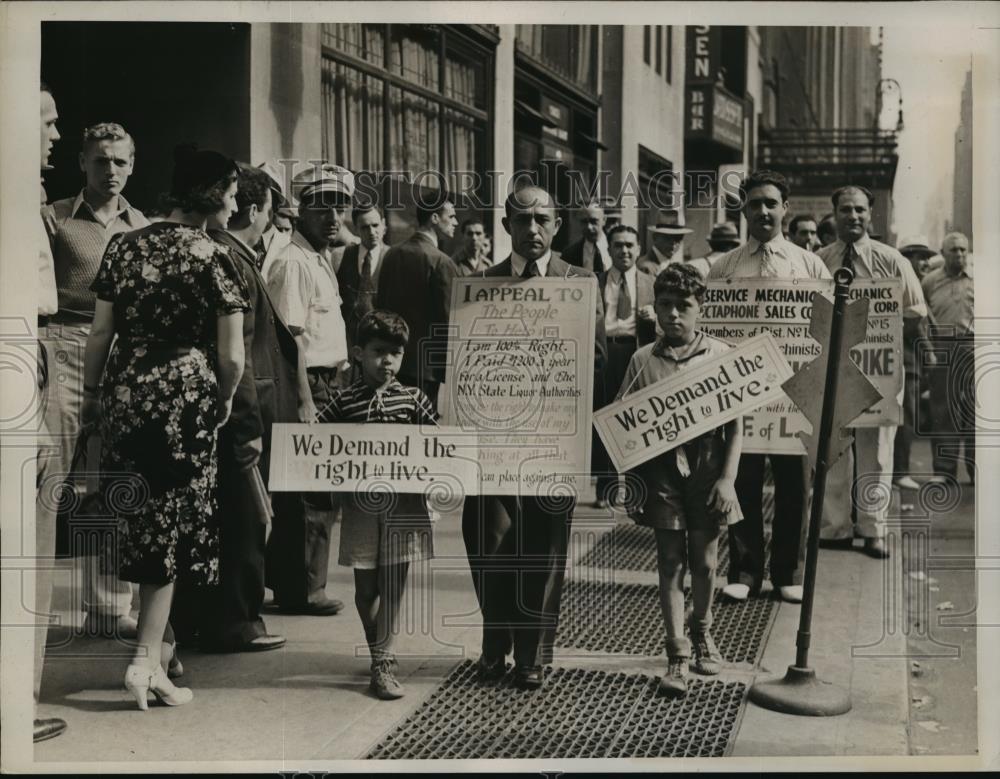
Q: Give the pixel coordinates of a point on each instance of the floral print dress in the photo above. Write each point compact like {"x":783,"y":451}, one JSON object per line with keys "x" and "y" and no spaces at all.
{"x":168,"y":283}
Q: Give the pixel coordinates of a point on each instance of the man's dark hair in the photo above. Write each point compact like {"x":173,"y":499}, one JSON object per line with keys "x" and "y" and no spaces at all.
{"x":426,"y":210}
{"x":620,"y":228}
{"x":835,"y":197}
{"x":682,"y":279}
{"x":252,"y":184}
{"x":361,"y":209}
{"x":762,"y":178}
{"x":827,"y":227}
{"x":512,"y":202}
{"x":472,"y":220}
{"x":46,"y":88}
{"x":385,"y":325}
{"x":794,"y":224}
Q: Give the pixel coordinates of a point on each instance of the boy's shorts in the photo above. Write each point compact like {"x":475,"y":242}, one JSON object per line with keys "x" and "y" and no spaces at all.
{"x":371,"y":536}
{"x":674,"y":502}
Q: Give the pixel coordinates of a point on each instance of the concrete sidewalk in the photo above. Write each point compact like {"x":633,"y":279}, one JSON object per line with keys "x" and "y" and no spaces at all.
{"x":310,"y":700}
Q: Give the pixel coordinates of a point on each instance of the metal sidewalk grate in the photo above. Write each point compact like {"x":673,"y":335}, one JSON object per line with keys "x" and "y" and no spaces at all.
{"x":579,"y":713}
{"x":626,"y":619}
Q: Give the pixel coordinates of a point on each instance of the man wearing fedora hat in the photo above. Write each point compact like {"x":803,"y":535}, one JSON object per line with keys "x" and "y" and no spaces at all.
{"x":723,"y":238}
{"x":921,"y":256}
{"x":666,"y":235}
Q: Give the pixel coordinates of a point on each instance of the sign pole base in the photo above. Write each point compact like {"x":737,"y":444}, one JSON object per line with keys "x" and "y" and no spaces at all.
{"x":801,"y":692}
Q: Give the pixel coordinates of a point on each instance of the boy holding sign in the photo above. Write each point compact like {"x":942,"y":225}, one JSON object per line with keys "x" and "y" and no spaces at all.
{"x":381,"y":532}
{"x":690,"y":493}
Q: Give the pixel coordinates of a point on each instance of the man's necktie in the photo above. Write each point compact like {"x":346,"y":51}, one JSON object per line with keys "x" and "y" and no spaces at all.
{"x":530,"y":270}
{"x":768,"y":266}
{"x":849,"y":254}
{"x":624,"y":301}
{"x":366,"y":289}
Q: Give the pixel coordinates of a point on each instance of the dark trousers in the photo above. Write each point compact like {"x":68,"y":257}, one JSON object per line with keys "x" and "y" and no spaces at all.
{"x":904,"y":433}
{"x":228,"y":615}
{"x":298,"y":551}
{"x":605,"y":390}
{"x":517,"y":554}
{"x":953,"y":403}
{"x":746,"y":538}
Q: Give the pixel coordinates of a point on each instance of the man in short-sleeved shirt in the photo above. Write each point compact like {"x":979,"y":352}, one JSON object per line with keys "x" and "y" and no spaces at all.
{"x":870,"y":459}
{"x":303,"y":284}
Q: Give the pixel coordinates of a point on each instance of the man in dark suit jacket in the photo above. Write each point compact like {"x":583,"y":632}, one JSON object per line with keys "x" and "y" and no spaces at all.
{"x":591,"y":251}
{"x":415,"y":282}
{"x":517,"y":545}
{"x":629,"y":322}
{"x":361,"y":267}
{"x":227,"y":617}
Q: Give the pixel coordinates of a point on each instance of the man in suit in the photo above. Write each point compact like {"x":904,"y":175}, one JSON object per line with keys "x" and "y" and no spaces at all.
{"x":415,"y":283}
{"x":472,"y":257}
{"x":629,"y":322}
{"x":667,"y":235}
{"x":360,"y":267}
{"x":227,"y":617}
{"x":517,"y":545}
{"x":591,"y":251}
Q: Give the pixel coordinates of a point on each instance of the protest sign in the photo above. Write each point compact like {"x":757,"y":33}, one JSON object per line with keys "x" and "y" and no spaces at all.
{"x":363,"y":458}
{"x":522,"y":373}
{"x":737,"y":309}
{"x":675,"y":410}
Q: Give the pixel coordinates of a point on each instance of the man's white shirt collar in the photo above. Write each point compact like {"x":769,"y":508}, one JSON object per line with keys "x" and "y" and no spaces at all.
{"x":777,"y":244}
{"x":519,"y":263}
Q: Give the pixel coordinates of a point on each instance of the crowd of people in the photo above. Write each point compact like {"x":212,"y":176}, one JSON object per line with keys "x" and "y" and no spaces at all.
{"x":241,"y":304}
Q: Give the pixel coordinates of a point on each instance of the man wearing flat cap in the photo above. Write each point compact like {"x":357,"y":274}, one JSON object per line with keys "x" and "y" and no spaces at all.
{"x":305,"y":292}
{"x":667,"y":236}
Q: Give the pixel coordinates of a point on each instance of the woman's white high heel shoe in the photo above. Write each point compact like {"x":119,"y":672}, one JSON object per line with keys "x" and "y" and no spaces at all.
{"x":140,"y":681}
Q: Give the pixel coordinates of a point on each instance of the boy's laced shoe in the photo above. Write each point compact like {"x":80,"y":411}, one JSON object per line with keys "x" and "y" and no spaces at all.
{"x":707,"y":659}
{"x":673,"y":683}
{"x":384,"y":683}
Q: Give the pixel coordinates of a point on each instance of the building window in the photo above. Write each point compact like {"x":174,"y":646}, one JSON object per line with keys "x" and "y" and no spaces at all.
{"x":657,"y":189}
{"x":670,"y":53}
{"x":658,"y":34}
{"x":647,"y":40}
{"x":570,"y":50}
{"x":406,"y":98}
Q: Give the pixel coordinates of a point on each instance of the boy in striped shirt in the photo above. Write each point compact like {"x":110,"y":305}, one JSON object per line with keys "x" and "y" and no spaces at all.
{"x":381,"y":533}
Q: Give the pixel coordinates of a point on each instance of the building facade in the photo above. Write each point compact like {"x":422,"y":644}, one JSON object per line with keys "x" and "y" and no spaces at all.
{"x":961,"y":208}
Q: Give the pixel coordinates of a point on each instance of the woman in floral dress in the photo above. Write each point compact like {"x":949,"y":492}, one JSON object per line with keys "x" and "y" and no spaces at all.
{"x":169,"y":294}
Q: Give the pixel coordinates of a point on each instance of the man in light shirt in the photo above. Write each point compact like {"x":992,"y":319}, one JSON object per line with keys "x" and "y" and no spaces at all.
{"x":950,"y":294}
{"x":768,"y":255}
{"x":629,"y":322}
{"x":48,"y":461}
{"x":361,"y":268}
{"x":304,"y":289}
{"x":863,"y":475}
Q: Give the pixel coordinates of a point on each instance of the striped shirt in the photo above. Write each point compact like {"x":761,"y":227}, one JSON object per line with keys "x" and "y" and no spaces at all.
{"x":875,"y":260}
{"x":788,"y":261}
{"x":395,"y":404}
